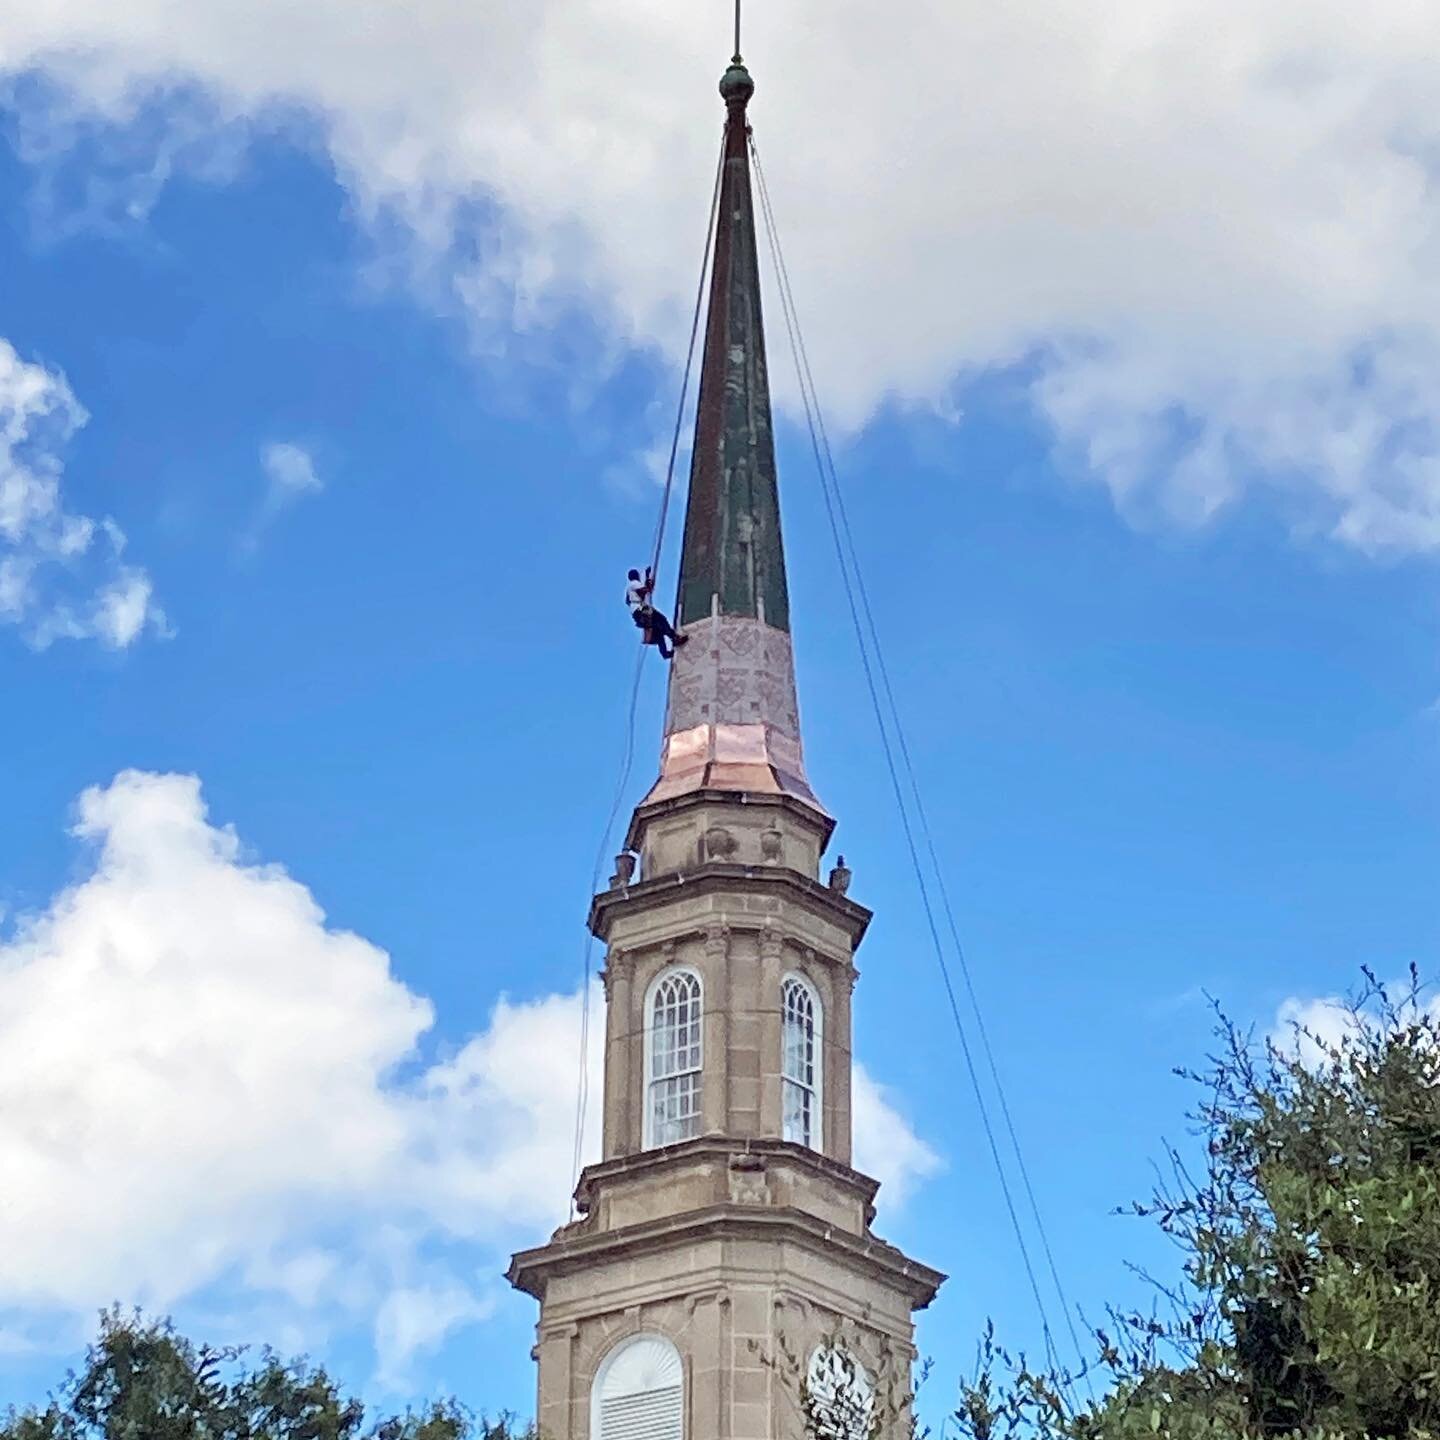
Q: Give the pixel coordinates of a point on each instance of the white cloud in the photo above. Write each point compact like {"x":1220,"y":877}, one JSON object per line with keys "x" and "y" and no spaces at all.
{"x":290,"y":469}
{"x":1311,"y":1026}
{"x":416,"y":1318}
{"x":886,"y":1148}
{"x":1209,"y":226}
{"x":290,"y":474}
{"x":123,"y":607}
{"x":61,"y":575}
{"x":207,"y":1091}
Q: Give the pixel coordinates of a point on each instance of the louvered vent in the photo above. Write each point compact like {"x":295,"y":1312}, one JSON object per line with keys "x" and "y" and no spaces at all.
{"x":640,"y":1392}
{"x":654,"y":1415}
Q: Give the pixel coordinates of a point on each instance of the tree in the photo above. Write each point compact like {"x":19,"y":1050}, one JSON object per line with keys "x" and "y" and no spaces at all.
{"x":1309,"y":1298}
{"x":143,"y":1381}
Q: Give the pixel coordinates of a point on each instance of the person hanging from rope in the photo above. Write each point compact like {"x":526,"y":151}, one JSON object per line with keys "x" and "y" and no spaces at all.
{"x":658,"y":630}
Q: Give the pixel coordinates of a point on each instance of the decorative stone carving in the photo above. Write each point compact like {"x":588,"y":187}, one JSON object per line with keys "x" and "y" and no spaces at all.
{"x":736,"y":671}
{"x":624,"y":870}
{"x":770,"y":844}
{"x":748,"y":1183}
{"x":840,"y":876}
{"x":720,"y":844}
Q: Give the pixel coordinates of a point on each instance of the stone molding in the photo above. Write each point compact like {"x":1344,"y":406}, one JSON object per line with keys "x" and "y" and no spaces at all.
{"x":530,"y":1270}
{"x":715,"y":1147}
{"x":818,"y":821}
{"x":715,"y":878}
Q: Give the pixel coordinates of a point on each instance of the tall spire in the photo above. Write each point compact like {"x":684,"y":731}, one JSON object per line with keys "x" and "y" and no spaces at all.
{"x":733,"y":721}
{"x":733,"y":562}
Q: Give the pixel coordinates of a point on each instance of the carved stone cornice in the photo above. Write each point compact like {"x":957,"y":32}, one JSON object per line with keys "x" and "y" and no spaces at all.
{"x":531,"y":1270}
{"x":713,"y":878}
{"x":718,"y":799}
{"x":720,"y":1147}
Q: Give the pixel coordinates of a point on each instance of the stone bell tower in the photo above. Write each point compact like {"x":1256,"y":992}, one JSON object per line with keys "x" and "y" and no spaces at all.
{"x":723,"y":1282}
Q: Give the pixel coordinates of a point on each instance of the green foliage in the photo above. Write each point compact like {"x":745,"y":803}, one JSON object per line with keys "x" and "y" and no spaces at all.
{"x":143,"y":1381}
{"x":1309,"y":1301}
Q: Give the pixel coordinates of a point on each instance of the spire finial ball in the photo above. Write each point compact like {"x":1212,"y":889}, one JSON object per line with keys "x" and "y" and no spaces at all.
{"x":736,"y":86}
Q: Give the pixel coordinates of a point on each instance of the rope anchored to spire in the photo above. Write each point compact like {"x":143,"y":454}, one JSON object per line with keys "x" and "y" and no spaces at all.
{"x":582,"y":1094}
{"x":913,"y":820}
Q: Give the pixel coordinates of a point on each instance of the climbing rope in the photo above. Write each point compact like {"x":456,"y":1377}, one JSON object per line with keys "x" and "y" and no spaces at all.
{"x":582,"y":1089}
{"x":689,"y":361}
{"x":582,"y":1093}
{"x":887,"y":717}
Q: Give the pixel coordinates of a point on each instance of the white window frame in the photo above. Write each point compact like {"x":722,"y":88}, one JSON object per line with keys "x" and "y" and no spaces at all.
{"x":816,"y":1088}
{"x":660,"y":1361}
{"x":652,"y":1139}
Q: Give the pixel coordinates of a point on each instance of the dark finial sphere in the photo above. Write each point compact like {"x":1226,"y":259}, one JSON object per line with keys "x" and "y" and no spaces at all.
{"x":736,"y":86}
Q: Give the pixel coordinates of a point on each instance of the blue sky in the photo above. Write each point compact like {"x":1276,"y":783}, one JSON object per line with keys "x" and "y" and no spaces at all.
{"x":1170,"y":676}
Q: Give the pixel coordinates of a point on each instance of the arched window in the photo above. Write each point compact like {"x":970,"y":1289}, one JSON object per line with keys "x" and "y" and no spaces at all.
{"x":800,"y":1062}
{"x":639,"y":1392}
{"x":673,"y":1059}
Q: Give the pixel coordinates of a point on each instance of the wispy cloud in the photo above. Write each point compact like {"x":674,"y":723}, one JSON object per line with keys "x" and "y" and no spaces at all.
{"x":290,"y":474}
{"x":62,"y":575}
{"x":290,"y":469}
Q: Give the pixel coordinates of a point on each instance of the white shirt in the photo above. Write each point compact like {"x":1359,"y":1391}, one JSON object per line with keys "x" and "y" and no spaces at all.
{"x":636,"y":595}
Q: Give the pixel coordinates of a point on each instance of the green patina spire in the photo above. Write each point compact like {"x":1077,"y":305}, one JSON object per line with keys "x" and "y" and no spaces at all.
{"x":733,"y":562}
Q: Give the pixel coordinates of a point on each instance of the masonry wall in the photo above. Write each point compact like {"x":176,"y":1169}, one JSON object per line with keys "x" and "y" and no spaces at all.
{"x":746,"y":1317}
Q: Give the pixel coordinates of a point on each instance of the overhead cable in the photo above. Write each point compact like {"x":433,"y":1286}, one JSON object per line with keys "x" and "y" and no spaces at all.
{"x":887,"y":717}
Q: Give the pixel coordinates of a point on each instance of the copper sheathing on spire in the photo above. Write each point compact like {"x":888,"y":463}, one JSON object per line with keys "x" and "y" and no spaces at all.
{"x":732,"y":722}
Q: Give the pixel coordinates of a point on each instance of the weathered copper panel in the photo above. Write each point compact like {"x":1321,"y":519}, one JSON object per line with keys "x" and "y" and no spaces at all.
{"x":733,"y":560}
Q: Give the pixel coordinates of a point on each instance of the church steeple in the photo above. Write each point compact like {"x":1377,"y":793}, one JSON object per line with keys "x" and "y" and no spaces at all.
{"x":733,"y":722}
{"x":722,"y":1279}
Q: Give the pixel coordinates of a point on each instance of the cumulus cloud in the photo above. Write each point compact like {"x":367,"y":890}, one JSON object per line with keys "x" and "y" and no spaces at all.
{"x":206,"y":1090}
{"x":1310,"y":1027}
{"x":1205,"y":231}
{"x":62,"y":575}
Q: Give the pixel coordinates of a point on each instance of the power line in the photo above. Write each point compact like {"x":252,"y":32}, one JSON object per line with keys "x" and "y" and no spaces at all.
{"x":867,"y":636}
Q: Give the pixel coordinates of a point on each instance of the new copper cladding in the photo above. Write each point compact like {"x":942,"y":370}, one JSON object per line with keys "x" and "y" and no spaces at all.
{"x":733,"y":722}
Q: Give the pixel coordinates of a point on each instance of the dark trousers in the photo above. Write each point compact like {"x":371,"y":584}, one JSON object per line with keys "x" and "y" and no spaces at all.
{"x":658,"y":627}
